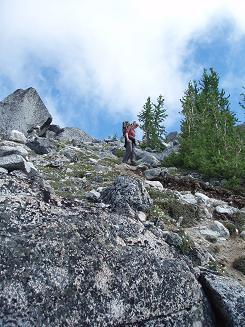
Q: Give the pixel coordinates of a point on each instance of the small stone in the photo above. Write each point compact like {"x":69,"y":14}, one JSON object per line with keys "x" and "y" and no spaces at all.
{"x":188,"y":198}
{"x":92,"y":160}
{"x":30,"y":168}
{"x":204,"y":198}
{"x":242,"y":234}
{"x":141,"y":216}
{"x":226,"y":210}
{"x":3,"y":170}
{"x":103,"y":205}
{"x":155,"y":184}
{"x":179,"y":221}
{"x":93,"y":195}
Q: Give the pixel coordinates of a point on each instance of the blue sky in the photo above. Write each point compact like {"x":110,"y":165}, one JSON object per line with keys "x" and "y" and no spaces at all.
{"x":95,"y":62}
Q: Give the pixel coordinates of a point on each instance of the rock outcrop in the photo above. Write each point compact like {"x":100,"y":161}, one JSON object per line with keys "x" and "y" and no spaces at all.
{"x":73,"y":134}
{"x":13,"y":156}
{"x":127,"y":195}
{"x":23,"y":110}
{"x":70,"y":266}
{"x":228,"y":298}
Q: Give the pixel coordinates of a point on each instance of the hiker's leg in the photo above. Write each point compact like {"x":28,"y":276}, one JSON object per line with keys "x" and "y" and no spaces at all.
{"x":132,"y":156}
{"x":128,"y":152}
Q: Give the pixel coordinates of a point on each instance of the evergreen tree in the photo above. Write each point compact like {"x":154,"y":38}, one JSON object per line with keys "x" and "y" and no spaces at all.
{"x":159,"y":114}
{"x":210,"y":141}
{"x":146,"y":119}
{"x":242,"y":102}
{"x":152,"y":117}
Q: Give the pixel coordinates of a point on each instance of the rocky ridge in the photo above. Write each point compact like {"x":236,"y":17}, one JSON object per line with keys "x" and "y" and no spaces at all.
{"x":88,"y":241}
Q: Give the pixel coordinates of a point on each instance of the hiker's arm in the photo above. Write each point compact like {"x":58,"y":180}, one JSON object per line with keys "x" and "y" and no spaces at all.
{"x":126,"y":135}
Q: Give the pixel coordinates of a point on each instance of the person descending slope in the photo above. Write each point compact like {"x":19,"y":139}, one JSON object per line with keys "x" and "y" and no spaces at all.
{"x":129,"y":134}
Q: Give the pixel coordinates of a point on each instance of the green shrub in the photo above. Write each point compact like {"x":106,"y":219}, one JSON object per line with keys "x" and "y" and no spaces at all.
{"x":187,"y":244}
{"x":211,"y":238}
{"x":175,"y":209}
{"x":231,"y":228}
{"x":217,"y":267}
{"x":239,"y":264}
{"x":216,"y":248}
{"x":156,"y":213}
{"x":119,"y":153}
{"x":174,"y":160}
{"x":239,"y":220}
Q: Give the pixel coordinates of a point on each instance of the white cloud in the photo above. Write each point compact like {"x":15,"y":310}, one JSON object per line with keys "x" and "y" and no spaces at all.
{"x":119,"y":51}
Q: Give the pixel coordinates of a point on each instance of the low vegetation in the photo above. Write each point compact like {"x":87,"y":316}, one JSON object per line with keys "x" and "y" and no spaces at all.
{"x":187,"y":244}
{"x":239,"y":264}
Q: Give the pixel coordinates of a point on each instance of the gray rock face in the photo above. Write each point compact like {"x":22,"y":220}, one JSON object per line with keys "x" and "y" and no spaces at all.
{"x":41,"y":145}
{"x":228,"y":298}
{"x":70,"y":134}
{"x":17,"y":136}
{"x":22,"y":111}
{"x":127,"y":194}
{"x":149,"y":160}
{"x":172,"y":136}
{"x":12,"y":162}
{"x":144,"y":157}
{"x":17,"y":162}
{"x":216,"y":229}
{"x":56,"y":129}
{"x":152,"y":173}
{"x":65,"y":266}
{"x":6,"y":150}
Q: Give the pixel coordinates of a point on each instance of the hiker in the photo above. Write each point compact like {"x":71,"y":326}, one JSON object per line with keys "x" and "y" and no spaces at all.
{"x":130,"y":143}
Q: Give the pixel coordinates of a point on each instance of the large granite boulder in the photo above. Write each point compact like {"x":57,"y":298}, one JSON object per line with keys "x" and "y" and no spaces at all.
{"x":149,"y":160}
{"x":127,"y":195}
{"x":146,"y":158}
{"x":23,"y":110}
{"x":228,"y":298}
{"x":69,"y":266}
